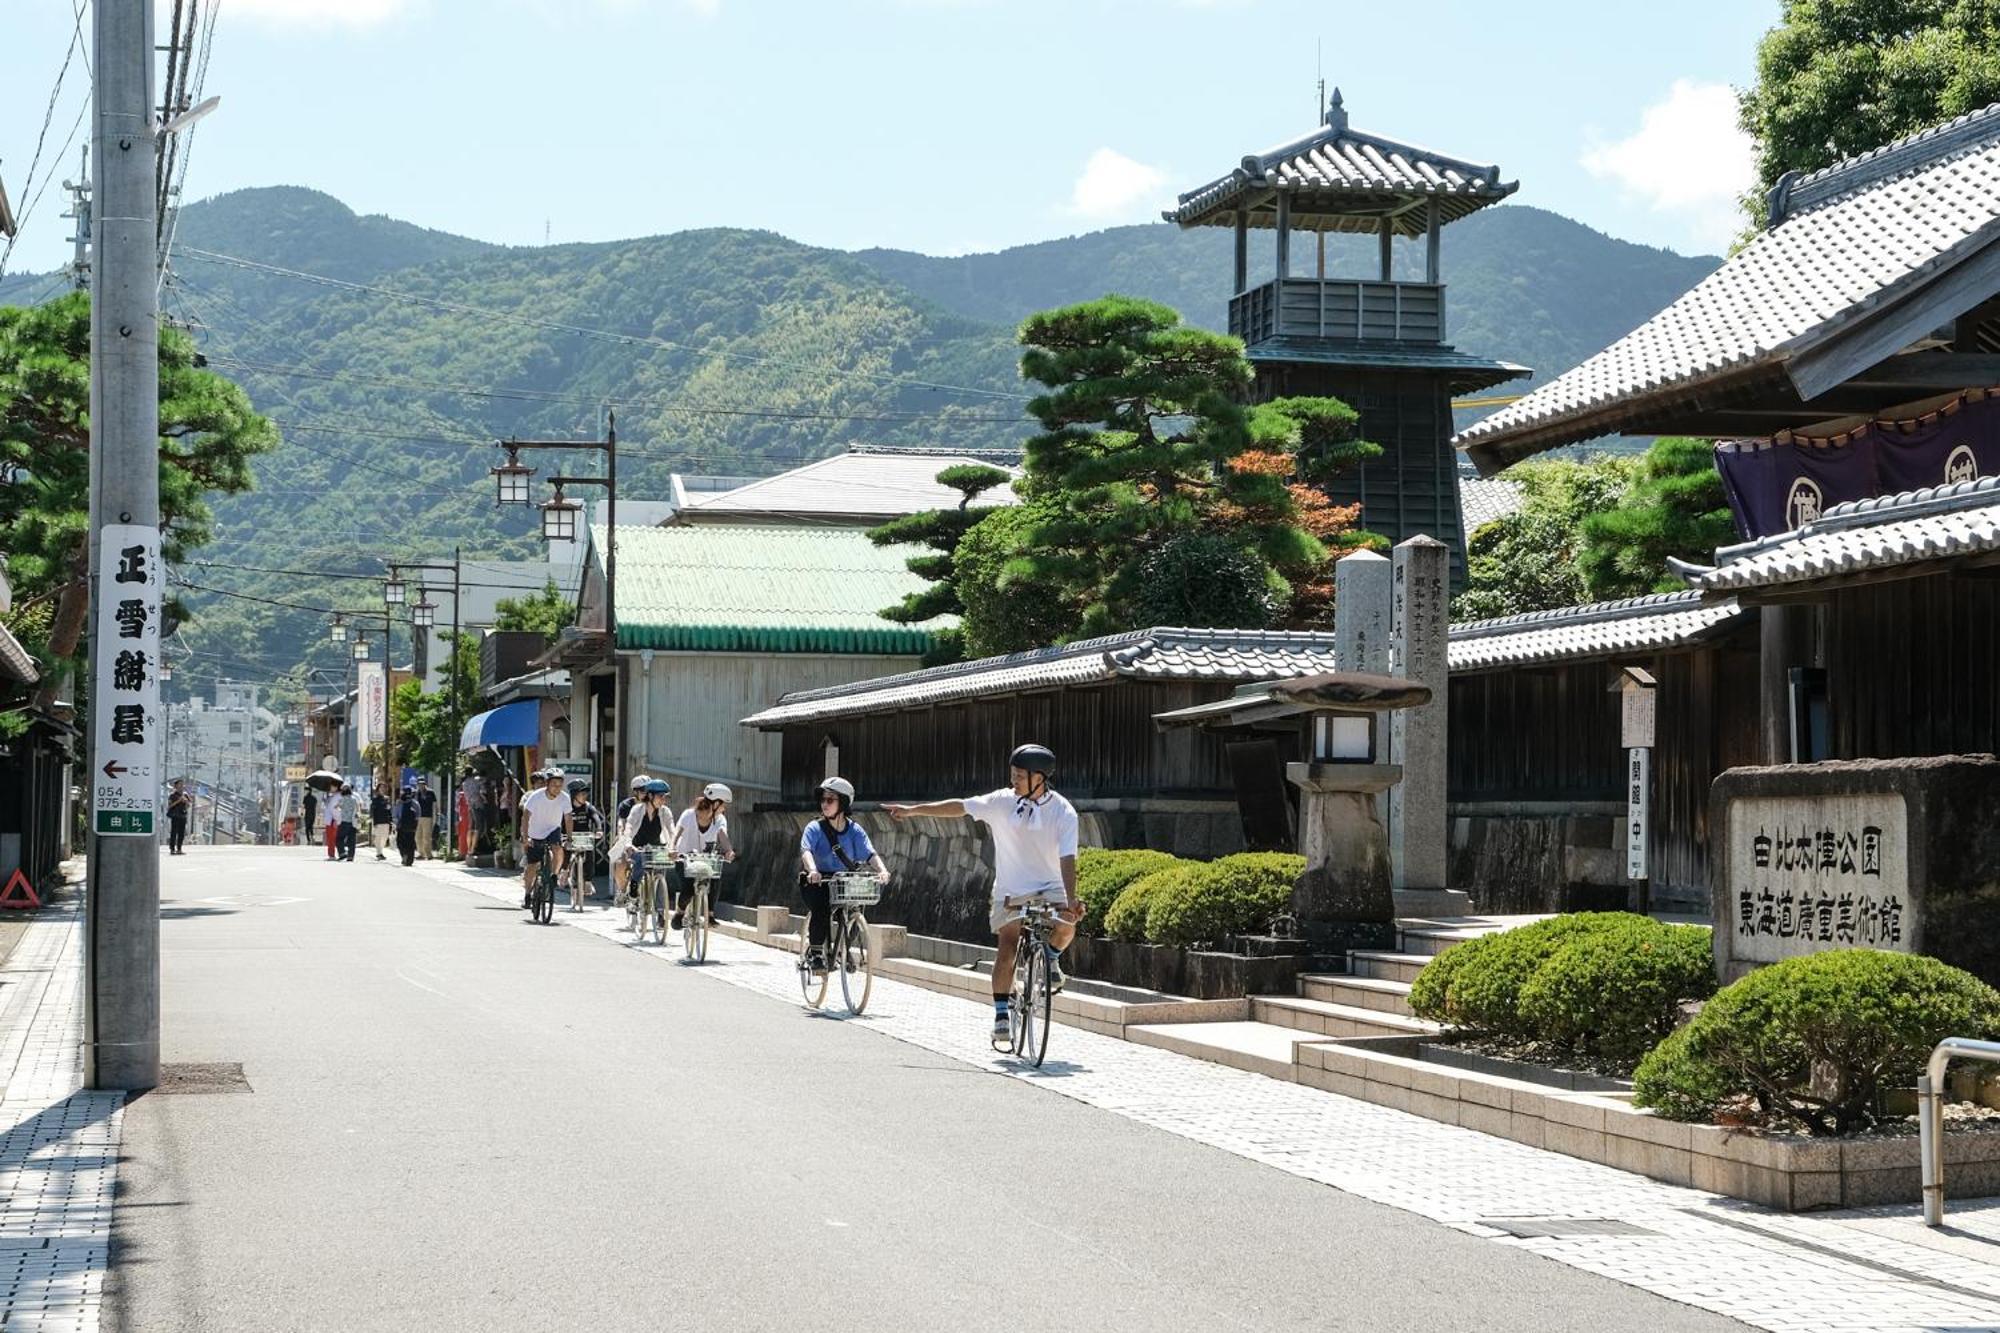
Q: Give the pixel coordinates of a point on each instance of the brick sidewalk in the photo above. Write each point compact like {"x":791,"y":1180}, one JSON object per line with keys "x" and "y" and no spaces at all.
{"x":1832,"y":1272}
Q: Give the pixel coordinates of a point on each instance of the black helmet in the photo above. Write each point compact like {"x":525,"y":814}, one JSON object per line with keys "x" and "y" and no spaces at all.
{"x":577,"y":787}
{"x":1033,"y":759}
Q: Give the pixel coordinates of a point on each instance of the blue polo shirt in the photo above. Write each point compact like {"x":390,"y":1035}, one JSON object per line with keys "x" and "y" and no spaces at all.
{"x":853,"y":841}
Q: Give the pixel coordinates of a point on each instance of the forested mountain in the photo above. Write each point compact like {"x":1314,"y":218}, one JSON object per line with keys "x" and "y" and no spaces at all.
{"x":721,"y":351}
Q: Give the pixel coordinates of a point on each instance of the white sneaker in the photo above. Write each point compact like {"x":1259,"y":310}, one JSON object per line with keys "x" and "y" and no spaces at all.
{"x":1056,"y":978}
{"x":1003,"y":1030}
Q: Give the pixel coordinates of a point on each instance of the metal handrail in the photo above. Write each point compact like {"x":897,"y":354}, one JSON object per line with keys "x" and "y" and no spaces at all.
{"x":1930,"y":1116}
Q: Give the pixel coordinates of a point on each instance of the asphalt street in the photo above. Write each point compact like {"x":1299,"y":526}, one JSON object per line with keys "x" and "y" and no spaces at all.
{"x":460,"y":1120}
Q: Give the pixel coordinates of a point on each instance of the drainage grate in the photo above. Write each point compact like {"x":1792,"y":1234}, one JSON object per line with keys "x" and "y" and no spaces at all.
{"x":1530,"y":1228}
{"x":218,"y":1077}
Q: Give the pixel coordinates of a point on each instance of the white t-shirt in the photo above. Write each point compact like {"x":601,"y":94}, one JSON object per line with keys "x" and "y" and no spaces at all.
{"x":690,"y":837}
{"x":1029,"y":840}
{"x":543,"y":812}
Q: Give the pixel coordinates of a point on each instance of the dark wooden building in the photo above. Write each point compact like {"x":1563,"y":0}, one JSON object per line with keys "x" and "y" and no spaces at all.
{"x":1378,"y":341}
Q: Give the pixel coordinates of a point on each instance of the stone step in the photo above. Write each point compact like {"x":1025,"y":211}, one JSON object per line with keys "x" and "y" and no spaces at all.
{"x":1337,"y":1020}
{"x":1261,"y":1048}
{"x":1357,"y":992}
{"x":1434,"y":940}
{"x":1388,"y":966}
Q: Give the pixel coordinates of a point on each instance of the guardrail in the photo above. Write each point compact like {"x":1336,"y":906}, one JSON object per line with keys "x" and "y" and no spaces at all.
{"x":1930,"y":1116}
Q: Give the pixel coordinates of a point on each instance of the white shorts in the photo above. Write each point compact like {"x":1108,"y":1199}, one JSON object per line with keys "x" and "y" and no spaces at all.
{"x":1002,"y":914}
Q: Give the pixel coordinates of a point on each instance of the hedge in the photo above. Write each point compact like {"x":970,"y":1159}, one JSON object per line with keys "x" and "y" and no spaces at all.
{"x":1127,"y":918}
{"x":1484,"y":985}
{"x":1102,"y":874}
{"x":1816,"y":1040}
{"x":1233,"y":895}
{"x":1616,"y":992}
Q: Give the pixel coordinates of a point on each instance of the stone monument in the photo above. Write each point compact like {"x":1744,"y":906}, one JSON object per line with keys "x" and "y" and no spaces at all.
{"x":1419,"y":627}
{"x":1896,"y":854}
{"x":1361,"y":613}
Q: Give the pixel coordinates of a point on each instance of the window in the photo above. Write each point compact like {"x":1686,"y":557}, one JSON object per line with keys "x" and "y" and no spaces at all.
{"x":236,"y":728}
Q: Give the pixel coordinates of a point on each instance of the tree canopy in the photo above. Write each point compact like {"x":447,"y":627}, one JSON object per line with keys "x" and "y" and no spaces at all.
{"x":1527,"y":560}
{"x":1839,"y":77}
{"x":1675,"y":506}
{"x":424,"y":722}
{"x":941,"y":530}
{"x":544,"y":612}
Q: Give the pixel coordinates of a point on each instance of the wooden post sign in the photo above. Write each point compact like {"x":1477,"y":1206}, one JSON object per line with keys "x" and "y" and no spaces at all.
{"x":1636,"y":717}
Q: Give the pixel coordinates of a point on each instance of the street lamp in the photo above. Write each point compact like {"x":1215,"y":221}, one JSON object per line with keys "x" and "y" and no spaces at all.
{"x":511,"y":480}
{"x":339,"y":631}
{"x":423,"y":613}
{"x":394,"y":592}
{"x":559,"y":518}
{"x":361,"y":650}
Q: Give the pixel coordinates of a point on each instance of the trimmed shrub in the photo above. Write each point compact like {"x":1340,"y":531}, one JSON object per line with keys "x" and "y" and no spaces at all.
{"x":1616,"y":991}
{"x":1127,"y":918}
{"x":1430,"y":993}
{"x":1485,"y":989}
{"x":1102,"y":874}
{"x":1232,"y":895}
{"x":1815,"y":1040}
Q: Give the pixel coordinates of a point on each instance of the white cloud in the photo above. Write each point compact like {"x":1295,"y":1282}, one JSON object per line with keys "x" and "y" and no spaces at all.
{"x":1113,"y":187}
{"x":1687,"y":157}
{"x":321,"y":13}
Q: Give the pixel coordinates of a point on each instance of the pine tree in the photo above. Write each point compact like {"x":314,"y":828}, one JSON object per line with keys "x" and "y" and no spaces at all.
{"x":941,"y":530}
{"x":1676,"y":506}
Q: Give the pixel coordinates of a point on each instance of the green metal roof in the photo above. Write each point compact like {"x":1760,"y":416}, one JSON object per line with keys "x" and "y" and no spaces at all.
{"x":763,"y":588}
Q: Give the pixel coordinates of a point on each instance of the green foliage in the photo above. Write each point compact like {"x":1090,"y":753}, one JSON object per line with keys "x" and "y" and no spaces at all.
{"x":1205,"y":579}
{"x":1141,"y":419}
{"x":1675,"y":506}
{"x":1006,"y":609}
{"x":1103,"y":873}
{"x":427,"y":727}
{"x":1616,"y":992}
{"x":1527,"y":561}
{"x":941,"y":530}
{"x":1839,"y":77}
{"x":1322,"y":434}
{"x":1233,"y":895}
{"x":1483,"y":989}
{"x":1127,"y":918}
{"x":1815,"y":1040}
{"x":545,"y":612}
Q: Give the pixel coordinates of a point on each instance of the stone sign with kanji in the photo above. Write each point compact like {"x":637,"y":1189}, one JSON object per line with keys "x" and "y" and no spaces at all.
{"x":1819,"y":872}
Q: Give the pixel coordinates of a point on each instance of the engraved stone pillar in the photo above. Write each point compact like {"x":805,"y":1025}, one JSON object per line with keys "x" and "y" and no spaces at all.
{"x":1418,"y":833}
{"x":1361,"y":613}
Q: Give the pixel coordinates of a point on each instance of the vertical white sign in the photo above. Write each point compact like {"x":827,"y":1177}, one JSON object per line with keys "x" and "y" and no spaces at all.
{"x":371,"y":707}
{"x":1638,"y":800}
{"x":125,"y":706}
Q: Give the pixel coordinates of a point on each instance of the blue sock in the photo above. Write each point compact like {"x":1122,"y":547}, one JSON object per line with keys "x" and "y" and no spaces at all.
{"x":1054,"y":953}
{"x":1000,"y":1006}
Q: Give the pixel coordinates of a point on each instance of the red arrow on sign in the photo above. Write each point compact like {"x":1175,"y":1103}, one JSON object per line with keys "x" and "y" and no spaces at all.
{"x":113,"y":769}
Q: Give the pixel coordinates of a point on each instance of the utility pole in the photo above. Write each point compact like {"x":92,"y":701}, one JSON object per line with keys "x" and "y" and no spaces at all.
{"x":122,"y":902}
{"x":79,"y":210}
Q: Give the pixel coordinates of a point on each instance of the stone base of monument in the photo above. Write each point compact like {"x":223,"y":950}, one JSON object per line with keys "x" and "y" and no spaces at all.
{"x":1896,"y":854}
{"x":1432,"y":902}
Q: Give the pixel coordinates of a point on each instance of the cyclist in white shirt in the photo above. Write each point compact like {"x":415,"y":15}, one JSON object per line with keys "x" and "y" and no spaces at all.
{"x":1034,"y":833}
{"x":703,"y":827}
{"x":542,"y":812}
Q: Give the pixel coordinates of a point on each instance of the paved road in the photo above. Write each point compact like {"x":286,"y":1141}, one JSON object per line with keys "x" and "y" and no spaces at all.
{"x":460,"y":1120}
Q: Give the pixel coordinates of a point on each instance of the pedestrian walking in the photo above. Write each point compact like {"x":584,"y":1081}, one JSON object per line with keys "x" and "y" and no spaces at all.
{"x":381,"y":823}
{"x":405,"y":817}
{"x":340,"y":818}
{"x":311,"y":810}
{"x":179,"y":805}
{"x":427,"y":806}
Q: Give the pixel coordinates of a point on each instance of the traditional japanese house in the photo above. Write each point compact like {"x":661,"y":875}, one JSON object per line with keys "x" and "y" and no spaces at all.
{"x":1378,"y":341}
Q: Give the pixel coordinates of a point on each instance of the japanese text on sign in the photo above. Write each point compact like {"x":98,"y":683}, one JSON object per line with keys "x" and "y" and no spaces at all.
{"x":126,"y":703}
{"x":1812,"y":873}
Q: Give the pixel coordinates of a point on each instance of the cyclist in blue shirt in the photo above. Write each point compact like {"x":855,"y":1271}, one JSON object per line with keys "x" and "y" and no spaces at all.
{"x":832,"y":844}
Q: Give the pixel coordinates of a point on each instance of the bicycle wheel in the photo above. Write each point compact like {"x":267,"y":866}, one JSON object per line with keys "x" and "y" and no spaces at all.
{"x":694,"y":925}
{"x":543,"y":909}
{"x":1041,"y":1003}
{"x":856,"y":961}
{"x":812,"y":987}
{"x":633,"y":885}
{"x":653,"y":920}
{"x":1020,"y":1013}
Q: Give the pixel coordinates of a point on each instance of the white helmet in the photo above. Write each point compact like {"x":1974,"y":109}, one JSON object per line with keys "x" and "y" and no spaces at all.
{"x":839,"y":787}
{"x":717,"y":791}
{"x":639,"y":783}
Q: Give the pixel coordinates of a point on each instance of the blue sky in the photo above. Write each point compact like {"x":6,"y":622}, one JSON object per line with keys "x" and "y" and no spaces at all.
{"x":937,"y":125}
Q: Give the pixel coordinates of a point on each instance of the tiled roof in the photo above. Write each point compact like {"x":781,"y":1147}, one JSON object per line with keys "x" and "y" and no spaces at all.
{"x":1605,"y":629}
{"x":861,"y":484}
{"x":1941,"y":522}
{"x":748,"y":587}
{"x":1846,"y":241}
{"x":1481,"y":500}
{"x":15,"y":663}
{"x":1152,"y":654}
{"x":1465,"y":372}
{"x":1337,"y":161}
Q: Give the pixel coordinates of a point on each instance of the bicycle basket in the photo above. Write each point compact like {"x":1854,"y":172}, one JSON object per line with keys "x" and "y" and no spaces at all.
{"x":704,"y":865}
{"x":659,"y":858}
{"x":854,"y":889}
{"x":583,"y":842}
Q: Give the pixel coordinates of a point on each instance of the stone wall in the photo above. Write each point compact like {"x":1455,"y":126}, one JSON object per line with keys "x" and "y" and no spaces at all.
{"x":942,"y":869}
{"x":1542,"y":857}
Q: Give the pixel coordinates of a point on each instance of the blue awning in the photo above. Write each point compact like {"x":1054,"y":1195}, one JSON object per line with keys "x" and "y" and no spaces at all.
{"x":518,"y":723}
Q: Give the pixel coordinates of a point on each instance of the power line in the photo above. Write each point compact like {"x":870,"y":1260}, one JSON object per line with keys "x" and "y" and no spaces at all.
{"x":582,"y":331}
{"x":48,"y":115}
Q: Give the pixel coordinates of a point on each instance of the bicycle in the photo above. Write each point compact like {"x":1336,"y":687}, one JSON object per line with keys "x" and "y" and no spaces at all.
{"x":576,"y":878}
{"x":850,"y":945}
{"x":1034,"y":988}
{"x":542,"y":898}
{"x":700,"y":869}
{"x":645,"y":905}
